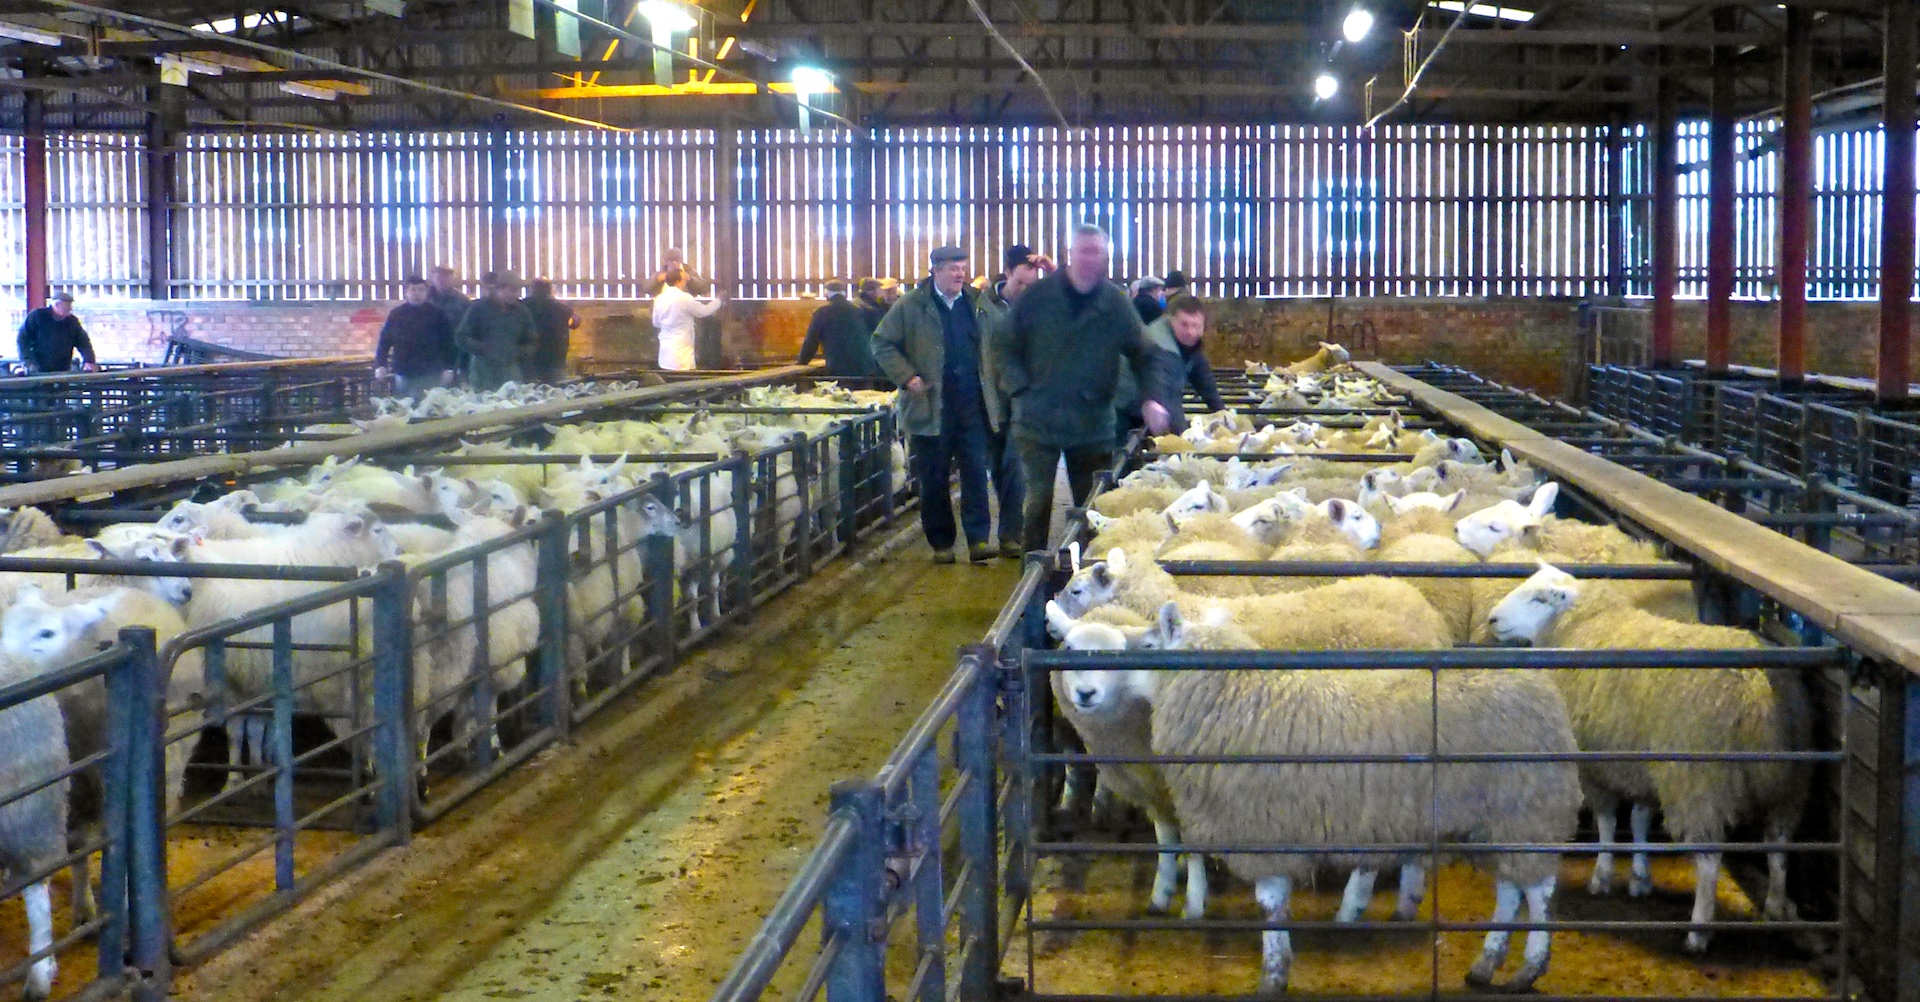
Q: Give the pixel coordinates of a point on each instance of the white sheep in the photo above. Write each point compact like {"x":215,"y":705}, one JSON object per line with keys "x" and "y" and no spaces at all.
{"x":1693,"y":710}
{"x":25,"y":528}
{"x":33,"y":829}
{"x":1367,"y":713}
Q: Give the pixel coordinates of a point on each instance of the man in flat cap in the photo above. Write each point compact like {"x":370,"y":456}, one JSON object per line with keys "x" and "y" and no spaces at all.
{"x":51,"y":334}
{"x":929,"y":344}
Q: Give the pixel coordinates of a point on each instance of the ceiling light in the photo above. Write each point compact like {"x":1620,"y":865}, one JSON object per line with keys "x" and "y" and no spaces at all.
{"x":26,"y":33}
{"x":309,"y":90}
{"x":1359,"y":21}
{"x":1502,"y":12}
{"x":811,"y":80}
{"x":1325,"y":86}
{"x":189,"y":64}
{"x":668,"y":16}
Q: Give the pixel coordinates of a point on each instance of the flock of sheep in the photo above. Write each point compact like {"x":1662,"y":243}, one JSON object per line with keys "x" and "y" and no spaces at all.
{"x":356,"y":514}
{"x":1446,"y":505}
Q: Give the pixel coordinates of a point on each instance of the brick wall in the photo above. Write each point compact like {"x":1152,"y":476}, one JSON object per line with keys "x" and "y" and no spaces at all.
{"x":1533,"y":342}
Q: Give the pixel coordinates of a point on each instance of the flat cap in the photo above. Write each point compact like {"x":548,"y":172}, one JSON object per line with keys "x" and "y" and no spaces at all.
{"x":62,"y":297}
{"x":947,"y":255}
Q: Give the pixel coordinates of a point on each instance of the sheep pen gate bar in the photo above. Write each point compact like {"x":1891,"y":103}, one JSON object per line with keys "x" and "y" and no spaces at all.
{"x":1010,"y":869}
{"x":349,"y":706}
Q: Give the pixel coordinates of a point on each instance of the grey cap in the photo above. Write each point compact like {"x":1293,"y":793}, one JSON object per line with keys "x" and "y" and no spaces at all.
{"x":61,"y":297}
{"x":947,"y":255}
{"x":836,"y":288}
{"x":1149,"y":282}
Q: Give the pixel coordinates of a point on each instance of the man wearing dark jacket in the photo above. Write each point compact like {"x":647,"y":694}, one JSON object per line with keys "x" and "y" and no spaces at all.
{"x":416,"y":344}
{"x":444,"y":294}
{"x":1023,"y":268}
{"x":1149,"y":299}
{"x":1181,"y":361}
{"x":1059,"y":359}
{"x":553,"y":323}
{"x":930,"y":345}
{"x":497,"y":334}
{"x":845,"y":333}
{"x":51,"y":334}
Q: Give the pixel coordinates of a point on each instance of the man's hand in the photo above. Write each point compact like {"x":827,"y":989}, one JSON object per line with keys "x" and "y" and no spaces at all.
{"x":447,"y":377}
{"x":90,"y":367}
{"x":1158,"y":420}
{"x":916,"y":384}
{"x":380,"y":372}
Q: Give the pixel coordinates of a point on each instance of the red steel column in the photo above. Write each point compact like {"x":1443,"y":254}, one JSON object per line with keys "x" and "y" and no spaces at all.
{"x":1720,"y":205}
{"x":1896,"y":208}
{"x":1796,"y":197}
{"x":34,"y":194}
{"x":1666,"y":229}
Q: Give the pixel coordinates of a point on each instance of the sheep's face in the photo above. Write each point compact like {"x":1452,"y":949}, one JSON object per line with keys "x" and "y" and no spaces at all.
{"x":42,"y":633}
{"x":167,"y":549}
{"x":183,"y":517}
{"x":449,"y":493}
{"x":1269,"y":520}
{"x":1302,"y":432}
{"x":1463,"y":450}
{"x":1090,"y":587}
{"x":1241,"y":477}
{"x":1335,"y":353}
{"x":501,"y":495}
{"x":1378,"y":485}
{"x":656,"y":518}
{"x":1198,"y":501}
{"x":1091,"y":690}
{"x":388,"y":543}
{"x":1489,"y":527}
{"x":1528,"y":612}
{"x":1425,"y":499}
{"x":1360,"y":527}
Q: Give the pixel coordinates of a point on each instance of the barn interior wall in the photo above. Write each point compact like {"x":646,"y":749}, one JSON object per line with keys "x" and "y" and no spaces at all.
{"x":1531,"y":342}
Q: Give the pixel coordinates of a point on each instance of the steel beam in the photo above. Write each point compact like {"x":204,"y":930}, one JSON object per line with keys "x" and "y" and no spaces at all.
{"x":726,"y":230}
{"x":500,"y":209}
{"x":34,"y":195}
{"x":1896,"y":208}
{"x":1796,"y":196}
{"x":159,"y":158}
{"x":1720,"y":205}
{"x":1666,"y":229}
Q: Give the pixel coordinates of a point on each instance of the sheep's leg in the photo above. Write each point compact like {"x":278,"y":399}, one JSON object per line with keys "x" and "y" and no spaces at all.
{"x":82,"y":897}
{"x":1359,"y":891}
{"x":1168,"y":872}
{"x":1606,"y":819}
{"x":1641,"y":818}
{"x":1196,"y":886}
{"x":1539,"y":949}
{"x":1413,"y":890}
{"x":1276,"y":945}
{"x":1506,"y":908}
{"x":39,"y":937}
{"x":1706,"y":881}
{"x":1778,"y":907}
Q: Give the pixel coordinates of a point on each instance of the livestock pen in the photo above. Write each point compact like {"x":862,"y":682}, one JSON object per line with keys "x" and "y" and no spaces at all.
{"x":950,"y":874}
{"x":342,"y":708}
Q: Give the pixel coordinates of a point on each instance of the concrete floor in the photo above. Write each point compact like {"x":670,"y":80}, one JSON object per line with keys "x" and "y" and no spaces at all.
{"x":636,"y":862}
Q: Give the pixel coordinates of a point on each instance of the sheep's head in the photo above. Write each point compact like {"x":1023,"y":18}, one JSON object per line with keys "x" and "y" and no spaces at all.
{"x":1425,"y":499}
{"x":1242,"y":477}
{"x":1167,"y":633}
{"x":1093,"y":585}
{"x":1378,"y":485}
{"x":184,"y":517}
{"x":40,"y":632}
{"x":657,"y":518}
{"x":1423,"y":479}
{"x":1269,"y":520}
{"x":1200,"y":500}
{"x":1529,"y":611}
{"x":450,"y":493}
{"x":1489,"y":527}
{"x":1360,"y":527}
{"x":1335,"y":353}
{"x":1463,"y":450}
{"x":1303,"y":432}
{"x":167,"y":548}
{"x":1087,"y":690}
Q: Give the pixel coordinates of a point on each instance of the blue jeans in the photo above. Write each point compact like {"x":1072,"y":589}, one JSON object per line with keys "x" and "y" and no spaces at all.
{"x":961,"y":444}
{"x":1009,"y":485}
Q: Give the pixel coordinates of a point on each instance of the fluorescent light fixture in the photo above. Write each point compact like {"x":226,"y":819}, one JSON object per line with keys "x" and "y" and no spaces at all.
{"x":671,"y":16}
{"x":1325,"y":86}
{"x":187,"y":63}
{"x":27,"y":33}
{"x":229,"y":25}
{"x":309,"y":90}
{"x":1359,"y":21}
{"x":811,"y":80}
{"x":1504,"y":13}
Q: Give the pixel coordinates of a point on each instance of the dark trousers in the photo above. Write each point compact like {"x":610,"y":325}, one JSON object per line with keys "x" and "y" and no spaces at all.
{"x":1041,"y":463}
{"x":962,"y":445}
{"x":1009,"y":486}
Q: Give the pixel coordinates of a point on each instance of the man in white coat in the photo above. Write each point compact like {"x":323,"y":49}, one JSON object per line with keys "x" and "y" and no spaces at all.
{"x":674,"y":314}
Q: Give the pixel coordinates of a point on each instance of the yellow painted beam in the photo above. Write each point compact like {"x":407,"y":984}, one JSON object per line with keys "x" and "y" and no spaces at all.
{"x":726,"y":89}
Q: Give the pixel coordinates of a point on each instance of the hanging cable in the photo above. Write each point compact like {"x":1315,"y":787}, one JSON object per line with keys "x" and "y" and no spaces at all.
{"x":1045,"y":91}
{"x":1414,"y":80}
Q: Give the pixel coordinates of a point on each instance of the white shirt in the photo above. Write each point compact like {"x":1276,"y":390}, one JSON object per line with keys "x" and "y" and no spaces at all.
{"x":674,"y":312}
{"x":949,"y":300}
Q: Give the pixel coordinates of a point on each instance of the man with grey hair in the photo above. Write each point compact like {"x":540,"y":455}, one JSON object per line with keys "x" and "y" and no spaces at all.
{"x":1059,"y":361}
{"x":844,"y":333}
{"x":929,"y":344}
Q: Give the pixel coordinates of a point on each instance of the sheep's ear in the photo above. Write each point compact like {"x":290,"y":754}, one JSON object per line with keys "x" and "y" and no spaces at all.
{"x":1337,"y":509}
{"x":1544,"y":498}
{"x":1396,"y":505}
{"x":82,"y":617}
{"x":1058,"y":622}
{"x":1506,"y":460}
{"x":356,"y":526}
{"x":1073,"y":551}
{"x":99,"y":548}
{"x":1453,"y":500}
{"x":1101,"y":572}
{"x":1172,"y":628}
{"x":179,"y":547}
{"x":1172,"y":525}
{"x":1117,"y":560}
{"x":1098,"y":523}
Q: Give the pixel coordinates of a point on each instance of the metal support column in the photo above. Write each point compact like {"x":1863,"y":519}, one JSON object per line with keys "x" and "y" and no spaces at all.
{"x":1896,"y":208}
{"x":33,"y":117}
{"x":499,"y":204}
{"x":1616,"y":211}
{"x":1720,"y":203}
{"x":1796,"y":195}
{"x":1666,"y":228}
{"x":160,"y":194}
{"x":726,"y":228}
{"x":861,"y":202}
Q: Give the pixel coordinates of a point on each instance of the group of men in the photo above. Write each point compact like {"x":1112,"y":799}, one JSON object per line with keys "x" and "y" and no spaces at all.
{"x":438,"y":336}
{"x":842,"y":330}
{"x":1003,"y":385}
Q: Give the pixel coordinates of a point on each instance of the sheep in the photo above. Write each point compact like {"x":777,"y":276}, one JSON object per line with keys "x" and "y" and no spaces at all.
{"x":1510,"y":529}
{"x":1367,"y":712}
{"x":1122,"y":501}
{"x":1483,"y":530}
{"x":1455,"y":599}
{"x":1425,"y":499}
{"x":25,"y":528}
{"x":1200,"y":500}
{"x":1328,"y":357}
{"x":141,"y":543}
{"x":1703,"y":710}
{"x":1121,"y":727}
{"x":1141,"y":533}
{"x":33,"y":829}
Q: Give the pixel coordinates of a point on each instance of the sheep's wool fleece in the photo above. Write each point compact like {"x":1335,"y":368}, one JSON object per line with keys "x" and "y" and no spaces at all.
{"x":1366,"y":712}
{"x":25,"y":528}
{"x":1121,"y":731}
{"x":1697,"y":710}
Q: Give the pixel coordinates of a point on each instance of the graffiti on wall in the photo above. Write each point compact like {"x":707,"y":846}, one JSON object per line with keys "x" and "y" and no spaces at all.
{"x":1270,"y":338}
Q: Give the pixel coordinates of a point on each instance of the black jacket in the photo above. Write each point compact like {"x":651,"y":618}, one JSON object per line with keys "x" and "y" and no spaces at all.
{"x":47,"y":343}
{"x":1060,"y":357}
{"x":1148,"y":306}
{"x":845,"y":333}
{"x":416,"y":342}
{"x":553,"y":327}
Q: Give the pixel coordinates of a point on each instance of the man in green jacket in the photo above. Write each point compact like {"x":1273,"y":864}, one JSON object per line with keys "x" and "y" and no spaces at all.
{"x":497,"y":334}
{"x":929,"y":344}
{"x":1059,"y":360}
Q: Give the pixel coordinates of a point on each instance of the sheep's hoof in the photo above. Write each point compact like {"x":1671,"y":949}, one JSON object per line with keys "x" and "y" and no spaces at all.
{"x":1193,"y":914}
{"x":1405,"y":913}
{"x":1480,"y":975}
{"x":1157,"y":907}
{"x":1524,"y":979}
{"x":1779,"y":910}
{"x":1600,"y":885}
{"x":1696,"y":942}
{"x":1640,"y":886}
{"x":1273,"y":979}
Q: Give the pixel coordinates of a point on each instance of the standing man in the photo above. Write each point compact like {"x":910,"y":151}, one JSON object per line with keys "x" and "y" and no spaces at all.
{"x":51,"y":334}
{"x":1149,"y":298}
{"x":674,"y":313}
{"x":497,"y":334}
{"x":1183,"y":363}
{"x":1023,"y":268}
{"x":869,"y":301}
{"x":697,"y":284}
{"x":845,"y":332}
{"x":416,"y":344}
{"x":929,"y":344}
{"x":445,"y":295}
{"x":1068,"y":336}
{"x":890,"y":292}
{"x":553,"y":321}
